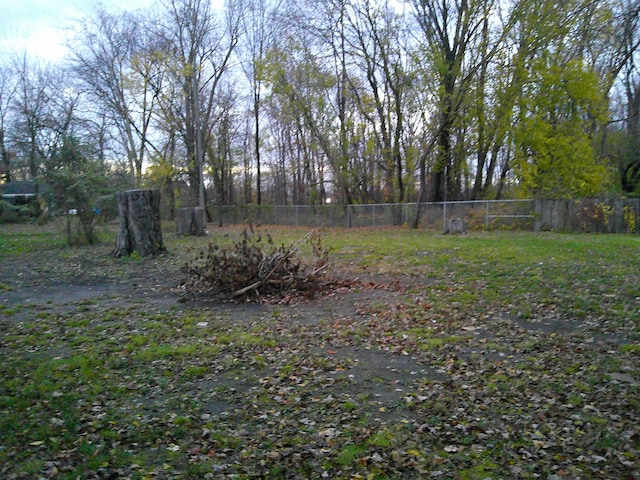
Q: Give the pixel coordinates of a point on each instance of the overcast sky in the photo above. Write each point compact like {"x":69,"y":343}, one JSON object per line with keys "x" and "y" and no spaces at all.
{"x":38,"y":25}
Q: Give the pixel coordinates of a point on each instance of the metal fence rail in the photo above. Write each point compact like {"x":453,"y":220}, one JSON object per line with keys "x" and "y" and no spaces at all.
{"x":588,"y":215}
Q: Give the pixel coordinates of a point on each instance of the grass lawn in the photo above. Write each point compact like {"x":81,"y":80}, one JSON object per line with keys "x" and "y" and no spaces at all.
{"x":490,"y":355}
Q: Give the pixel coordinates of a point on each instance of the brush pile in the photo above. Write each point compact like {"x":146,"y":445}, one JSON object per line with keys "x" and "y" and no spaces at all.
{"x":253,"y":268}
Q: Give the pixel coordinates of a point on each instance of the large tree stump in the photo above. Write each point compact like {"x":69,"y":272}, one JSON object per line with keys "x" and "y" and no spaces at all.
{"x":139,"y":218}
{"x":191,"y":221}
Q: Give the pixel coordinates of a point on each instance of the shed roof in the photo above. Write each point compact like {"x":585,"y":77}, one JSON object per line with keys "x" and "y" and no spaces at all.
{"x":19,"y":188}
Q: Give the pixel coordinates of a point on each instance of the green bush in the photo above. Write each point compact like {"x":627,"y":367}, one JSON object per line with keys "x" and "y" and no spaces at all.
{"x":74,"y":182}
{"x":8,"y":213}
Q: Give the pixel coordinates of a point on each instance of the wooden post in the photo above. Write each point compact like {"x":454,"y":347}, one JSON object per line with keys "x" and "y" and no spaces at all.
{"x":139,"y":218}
{"x":191,"y":221}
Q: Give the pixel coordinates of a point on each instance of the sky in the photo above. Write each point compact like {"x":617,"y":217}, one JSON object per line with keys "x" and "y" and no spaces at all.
{"x":37,"y":26}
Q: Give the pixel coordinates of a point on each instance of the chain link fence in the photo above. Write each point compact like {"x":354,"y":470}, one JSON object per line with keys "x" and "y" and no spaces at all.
{"x":585,"y":215}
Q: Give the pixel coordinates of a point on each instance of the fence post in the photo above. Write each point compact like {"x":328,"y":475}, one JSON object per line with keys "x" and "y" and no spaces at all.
{"x":444,"y":216}
{"x":620,"y":227}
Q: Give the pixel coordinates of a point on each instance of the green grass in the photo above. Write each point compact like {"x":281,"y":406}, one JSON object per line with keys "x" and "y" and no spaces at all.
{"x":571,"y":272}
{"x":350,"y":454}
{"x":20,"y":239}
{"x":140,"y":390}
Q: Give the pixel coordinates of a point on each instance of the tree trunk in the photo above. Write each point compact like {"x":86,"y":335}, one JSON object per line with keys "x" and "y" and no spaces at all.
{"x":139,"y":217}
{"x":191,"y":221}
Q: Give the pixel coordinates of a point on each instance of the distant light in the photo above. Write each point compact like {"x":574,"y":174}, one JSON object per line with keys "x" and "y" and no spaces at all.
{"x":328,"y":200}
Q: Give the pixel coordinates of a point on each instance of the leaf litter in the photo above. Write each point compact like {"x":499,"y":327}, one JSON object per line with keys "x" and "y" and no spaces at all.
{"x":376,"y":379}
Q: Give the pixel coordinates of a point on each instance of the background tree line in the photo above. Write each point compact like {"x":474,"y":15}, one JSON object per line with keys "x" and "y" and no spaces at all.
{"x":350,"y":101}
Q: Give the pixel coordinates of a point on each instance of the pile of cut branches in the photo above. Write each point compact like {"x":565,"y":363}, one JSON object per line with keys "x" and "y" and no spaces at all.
{"x":254,"y":268}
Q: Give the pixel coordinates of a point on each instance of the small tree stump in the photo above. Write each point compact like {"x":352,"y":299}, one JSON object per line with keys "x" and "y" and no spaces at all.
{"x":191,"y":221}
{"x":139,"y":218}
{"x":454,"y":226}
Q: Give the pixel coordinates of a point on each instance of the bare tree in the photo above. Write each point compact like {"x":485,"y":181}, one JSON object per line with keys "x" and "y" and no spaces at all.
{"x":257,"y":25}
{"x":452,"y":35}
{"x":31,"y":102}
{"x":309,"y":69}
{"x":8,"y":87}
{"x":380,"y":52}
{"x":630,"y":166}
{"x":106,"y":52}
{"x":198,"y":49}
{"x":363,"y":100}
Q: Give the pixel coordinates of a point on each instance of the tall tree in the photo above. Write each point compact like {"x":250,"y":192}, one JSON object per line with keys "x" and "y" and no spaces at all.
{"x":562,"y":102}
{"x":257,"y":25}
{"x":452,"y":31}
{"x":106,"y":48}
{"x":555,"y":156}
{"x":629,"y":163}
{"x":221,"y":150}
{"x":378,"y":51}
{"x":197,"y":48}
{"x":309,"y":67}
{"x":629,"y":31}
{"x":32,"y":99}
{"x":525,"y":30}
{"x":8,"y":88}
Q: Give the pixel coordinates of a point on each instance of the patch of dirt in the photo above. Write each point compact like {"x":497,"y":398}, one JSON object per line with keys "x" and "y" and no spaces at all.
{"x":552,"y":325}
{"x":89,"y":276}
{"x":101,"y":283}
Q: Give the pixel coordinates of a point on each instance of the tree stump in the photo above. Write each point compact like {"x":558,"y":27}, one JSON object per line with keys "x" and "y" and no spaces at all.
{"x":191,"y":221}
{"x":454,"y":226}
{"x":139,"y":218}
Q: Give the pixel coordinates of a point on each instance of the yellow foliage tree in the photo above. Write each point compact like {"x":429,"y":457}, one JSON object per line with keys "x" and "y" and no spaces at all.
{"x":562,"y":104}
